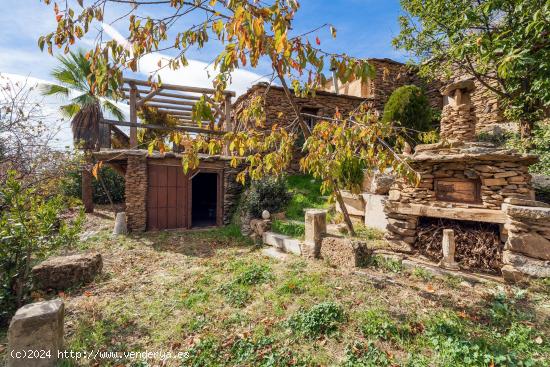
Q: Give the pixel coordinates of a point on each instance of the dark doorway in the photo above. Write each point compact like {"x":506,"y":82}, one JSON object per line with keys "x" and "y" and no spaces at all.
{"x":204,"y":199}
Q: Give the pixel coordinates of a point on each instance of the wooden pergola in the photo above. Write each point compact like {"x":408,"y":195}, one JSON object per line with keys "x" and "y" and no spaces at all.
{"x":176,"y":101}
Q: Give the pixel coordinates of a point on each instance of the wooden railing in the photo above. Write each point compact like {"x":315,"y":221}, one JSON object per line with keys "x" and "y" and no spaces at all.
{"x":176,"y":101}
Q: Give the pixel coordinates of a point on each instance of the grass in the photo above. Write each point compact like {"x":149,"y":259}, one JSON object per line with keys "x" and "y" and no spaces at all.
{"x":210,"y":295}
{"x":292,"y":229}
{"x":306,"y":194}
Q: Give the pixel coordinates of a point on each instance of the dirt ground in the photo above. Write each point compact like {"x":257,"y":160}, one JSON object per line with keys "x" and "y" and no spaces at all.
{"x":210,"y":298}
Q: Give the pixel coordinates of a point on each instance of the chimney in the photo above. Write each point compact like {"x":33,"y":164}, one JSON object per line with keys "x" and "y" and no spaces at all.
{"x":335,"y":80}
{"x":458,"y":122}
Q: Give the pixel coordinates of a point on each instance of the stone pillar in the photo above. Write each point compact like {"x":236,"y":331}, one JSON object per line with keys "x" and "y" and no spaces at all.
{"x":316,"y":228}
{"x":87,"y":191}
{"x":449,"y":247}
{"x":120,"y":224}
{"x":136,"y":193}
{"x":37,"y":327}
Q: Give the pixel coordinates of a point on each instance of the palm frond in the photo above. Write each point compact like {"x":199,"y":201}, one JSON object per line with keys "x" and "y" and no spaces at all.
{"x":113,"y":109}
{"x":54,"y":90}
{"x":70,"y":110}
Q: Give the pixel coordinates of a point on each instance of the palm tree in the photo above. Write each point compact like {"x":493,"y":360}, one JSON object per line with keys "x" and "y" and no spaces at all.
{"x":75,"y":75}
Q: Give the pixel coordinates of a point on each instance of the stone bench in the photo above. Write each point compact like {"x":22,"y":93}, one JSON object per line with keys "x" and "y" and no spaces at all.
{"x":64,"y":272}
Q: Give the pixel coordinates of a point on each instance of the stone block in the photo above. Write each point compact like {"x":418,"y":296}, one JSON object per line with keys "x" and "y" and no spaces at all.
{"x":494,"y":182}
{"x":284,"y":243}
{"x":525,"y":202}
{"x":448,"y":246}
{"x":345,"y":253}
{"x":120,"y":224}
{"x":374,"y":211}
{"x":526,"y":265}
{"x":505,"y":174}
{"x":315,"y":229}
{"x":64,"y":272}
{"x":525,"y":212}
{"x":530,"y":244}
{"x":354,"y":204}
{"x":36,"y":327}
{"x":260,"y":226}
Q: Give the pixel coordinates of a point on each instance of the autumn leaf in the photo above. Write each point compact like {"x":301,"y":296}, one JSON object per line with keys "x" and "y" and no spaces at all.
{"x":96,"y":168}
{"x":317,"y":41}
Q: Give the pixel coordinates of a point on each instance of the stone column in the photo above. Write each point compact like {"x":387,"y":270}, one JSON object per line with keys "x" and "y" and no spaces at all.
{"x":136,"y":193}
{"x":316,"y":228}
{"x":449,"y":247}
{"x":37,"y":327}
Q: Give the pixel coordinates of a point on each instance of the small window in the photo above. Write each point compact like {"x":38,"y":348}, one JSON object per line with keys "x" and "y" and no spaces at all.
{"x":308,"y":118}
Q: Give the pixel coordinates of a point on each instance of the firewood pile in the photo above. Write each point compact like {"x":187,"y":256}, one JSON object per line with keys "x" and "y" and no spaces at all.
{"x":478,"y":245}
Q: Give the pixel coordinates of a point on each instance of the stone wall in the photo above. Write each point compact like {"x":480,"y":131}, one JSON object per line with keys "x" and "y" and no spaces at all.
{"x":136,"y":193}
{"x":389,"y":75}
{"x":279,"y":111}
{"x":458,"y":123}
{"x":232,"y":192}
{"x":527,"y":250}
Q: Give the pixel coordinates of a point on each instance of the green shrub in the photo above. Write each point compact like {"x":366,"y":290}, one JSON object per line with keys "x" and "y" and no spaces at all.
{"x":305,"y":193}
{"x":377,"y":323}
{"x":31,"y":228}
{"x":114,"y":183}
{"x":384,"y":263}
{"x":269,"y":193}
{"x":254,"y":274}
{"x":291,"y":229}
{"x":321,"y":319}
{"x":409,"y":106}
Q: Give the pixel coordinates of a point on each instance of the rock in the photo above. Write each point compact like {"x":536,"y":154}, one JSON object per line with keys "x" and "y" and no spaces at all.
{"x":530,"y":244}
{"x":513,"y":275}
{"x":260,"y":226}
{"x":64,"y":272}
{"x":524,"y":202}
{"x":494,"y":182}
{"x":120,"y":224}
{"x":526,"y":265}
{"x":284,"y":243}
{"x":525,"y":212}
{"x":345,"y":253}
{"x":382,"y":183}
{"x":266,"y":215}
{"x":36,"y":327}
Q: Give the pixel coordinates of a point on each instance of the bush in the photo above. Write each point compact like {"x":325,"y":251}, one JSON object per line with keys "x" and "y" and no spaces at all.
{"x":31,"y":228}
{"x":269,"y":194}
{"x":409,"y":106}
{"x":114,"y":182}
{"x":321,"y":319}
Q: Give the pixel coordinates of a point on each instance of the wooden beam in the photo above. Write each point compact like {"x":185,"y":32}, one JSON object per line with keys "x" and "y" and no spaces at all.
{"x":172,"y":101}
{"x":149,"y":95}
{"x":179,"y":87}
{"x":160,"y":127}
{"x":164,"y":94}
{"x":133,"y":116}
{"x":471,"y":214}
{"x":168,"y":107}
{"x":175,"y":113}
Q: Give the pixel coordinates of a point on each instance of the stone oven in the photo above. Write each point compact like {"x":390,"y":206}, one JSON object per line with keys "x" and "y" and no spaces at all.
{"x":460,"y":179}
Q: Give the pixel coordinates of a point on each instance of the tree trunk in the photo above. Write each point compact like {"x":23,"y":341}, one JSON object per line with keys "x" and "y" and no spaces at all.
{"x":87,"y":191}
{"x":347,"y":218}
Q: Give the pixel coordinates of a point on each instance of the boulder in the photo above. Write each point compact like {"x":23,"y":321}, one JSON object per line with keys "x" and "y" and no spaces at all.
{"x":530,"y":244}
{"x":345,"y":253}
{"x":378,"y":183}
{"x":526,"y":265}
{"x":36,"y":328}
{"x":64,"y":272}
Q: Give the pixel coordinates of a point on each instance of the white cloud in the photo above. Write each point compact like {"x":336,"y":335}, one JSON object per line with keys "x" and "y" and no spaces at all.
{"x":196,"y":74}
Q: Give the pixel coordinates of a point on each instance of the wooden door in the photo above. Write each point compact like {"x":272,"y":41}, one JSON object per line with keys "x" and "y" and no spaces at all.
{"x":166,"y":197}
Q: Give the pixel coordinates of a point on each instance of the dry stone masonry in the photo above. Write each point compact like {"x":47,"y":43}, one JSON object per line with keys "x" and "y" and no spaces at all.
{"x":462,"y":179}
{"x":136,"y":192}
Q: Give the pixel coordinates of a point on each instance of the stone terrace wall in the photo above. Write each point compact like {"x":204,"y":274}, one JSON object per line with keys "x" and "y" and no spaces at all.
{"x":527,"y":250}
{"x":232,"y":192}
{"x":136,"y":193}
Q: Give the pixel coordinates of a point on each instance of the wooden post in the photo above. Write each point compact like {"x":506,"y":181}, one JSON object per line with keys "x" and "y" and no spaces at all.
{"x":87,"y":190}
{"x":228,"y":122}
{"x":133,"y":116}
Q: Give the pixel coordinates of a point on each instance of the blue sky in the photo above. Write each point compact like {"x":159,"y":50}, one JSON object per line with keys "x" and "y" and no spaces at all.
{"x":365,"y":29}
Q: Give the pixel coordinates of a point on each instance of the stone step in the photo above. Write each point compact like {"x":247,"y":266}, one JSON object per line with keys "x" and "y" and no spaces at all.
{"x":275,"y":253}
{"x":282,"y":242}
